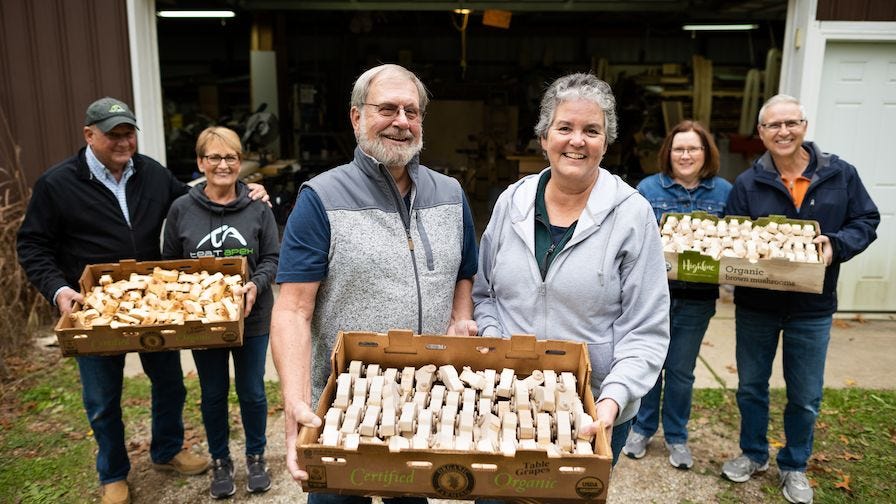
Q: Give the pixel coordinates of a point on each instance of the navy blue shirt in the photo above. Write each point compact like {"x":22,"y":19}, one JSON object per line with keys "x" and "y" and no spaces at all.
{"x":310,"y":249}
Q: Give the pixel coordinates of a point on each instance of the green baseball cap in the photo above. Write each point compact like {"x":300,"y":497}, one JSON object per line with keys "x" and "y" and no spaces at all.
{"x":107,"y":113}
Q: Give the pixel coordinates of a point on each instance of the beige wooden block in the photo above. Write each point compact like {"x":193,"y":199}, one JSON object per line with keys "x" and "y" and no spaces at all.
{"x":351,"y":420}
{"x":472,"y":378}
{"x":449,"y":377}
{"x":468,"y":400}
{"x":452,"y":399}
{"x":436,"y":397}
{"x":105,"y":280}
{"x":231,"y":309}
{"x":233,"y":280}
{"x":164,"y":275}
{"x":406,"y":422}
{"x":488,"y":389}
{"x":370,"y":421}
{"x":331,"y":437}
{"x":581,"y":420}
{"x":343,"y":390}
{"x":407,"y":379}
{"x":425,"y":376}
{"x":536,"y":378}
{"x":388,"y":425}
{"x":211,"y":279}
{"x":185,"y":277}
{"x":399,"y":443}
{"x":390,"y":375}
{"x":354,"y":368}
{"x":520,"y":395}
{"x":526,"y":428}
{"x":543,"y":431}
{"x":583,"y":447}
{"x":375,"y":395}
{"x":359,"y":390}
{"x":505,"y":385}
{"x":564,"y":431}
{"x":372,"y":370}
{"x":485,"y":405}
{"x":351,"y":441}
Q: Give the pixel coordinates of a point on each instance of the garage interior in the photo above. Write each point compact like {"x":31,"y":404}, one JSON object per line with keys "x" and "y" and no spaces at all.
{"x":486,"y":71}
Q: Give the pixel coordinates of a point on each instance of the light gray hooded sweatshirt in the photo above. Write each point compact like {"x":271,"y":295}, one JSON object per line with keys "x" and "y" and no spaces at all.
{"x":606,"y":288}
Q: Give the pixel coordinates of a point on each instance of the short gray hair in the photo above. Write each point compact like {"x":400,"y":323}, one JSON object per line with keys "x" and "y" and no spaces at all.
{"x":365,"y":80}
{"x":778,"y":99}
{"x":578,"y":86}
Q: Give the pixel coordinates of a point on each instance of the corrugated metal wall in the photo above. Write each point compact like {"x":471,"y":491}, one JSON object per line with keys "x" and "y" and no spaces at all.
{"x":56,"y":57}
{"x":856,"y":10}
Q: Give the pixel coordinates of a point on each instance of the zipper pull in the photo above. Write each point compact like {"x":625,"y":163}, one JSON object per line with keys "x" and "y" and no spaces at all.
{"x":410,"y":242}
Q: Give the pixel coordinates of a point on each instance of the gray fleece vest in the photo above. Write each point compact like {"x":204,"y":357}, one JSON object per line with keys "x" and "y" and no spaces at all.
{"x":388,"y":268}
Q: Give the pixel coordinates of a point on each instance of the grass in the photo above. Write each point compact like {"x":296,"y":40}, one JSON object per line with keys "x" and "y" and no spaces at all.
{"x":47,"y":449}
{"x":855,"y":441}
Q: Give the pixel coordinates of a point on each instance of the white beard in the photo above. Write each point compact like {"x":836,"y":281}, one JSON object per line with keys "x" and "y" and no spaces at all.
{"x":389,"y":155}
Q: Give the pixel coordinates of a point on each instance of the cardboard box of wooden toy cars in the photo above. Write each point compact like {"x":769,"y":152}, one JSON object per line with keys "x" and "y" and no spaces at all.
{"x":799,"y":270}
{"x":528,"y":475}
{"x":116,"y":338}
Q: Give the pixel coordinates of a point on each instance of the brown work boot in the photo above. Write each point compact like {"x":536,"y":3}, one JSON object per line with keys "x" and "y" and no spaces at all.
{"x":186,"y":463}
{"x":116,"y":493}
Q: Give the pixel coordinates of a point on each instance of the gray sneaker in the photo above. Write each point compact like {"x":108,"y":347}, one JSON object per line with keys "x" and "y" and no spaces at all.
{"x":795,"y":487}
{"x":680,"y":456}
{"x":740,"y":469}
{"x":636,"y":445}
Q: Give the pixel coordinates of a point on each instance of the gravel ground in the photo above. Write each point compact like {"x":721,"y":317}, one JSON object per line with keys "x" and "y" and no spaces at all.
{"x":649,"y":480}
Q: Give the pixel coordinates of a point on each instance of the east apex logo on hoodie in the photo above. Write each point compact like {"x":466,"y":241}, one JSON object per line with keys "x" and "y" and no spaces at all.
{"x":217,"y":238}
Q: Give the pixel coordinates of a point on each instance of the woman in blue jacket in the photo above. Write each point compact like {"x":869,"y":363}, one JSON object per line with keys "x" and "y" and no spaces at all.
{"x":688,"y":181}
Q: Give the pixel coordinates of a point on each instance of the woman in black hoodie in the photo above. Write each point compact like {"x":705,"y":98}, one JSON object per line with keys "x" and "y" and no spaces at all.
{"x":217,"y":218}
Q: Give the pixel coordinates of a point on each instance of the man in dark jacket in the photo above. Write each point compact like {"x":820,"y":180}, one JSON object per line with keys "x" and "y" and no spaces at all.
{"x":104,"y":204}
{"x":795,"y":179}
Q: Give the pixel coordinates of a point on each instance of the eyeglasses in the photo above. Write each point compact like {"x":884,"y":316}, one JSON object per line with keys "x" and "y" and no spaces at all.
{"x":679,"y":151}
{"x":215,"y":159}
{"x":791,"y":124}
{"x":391,"y":110}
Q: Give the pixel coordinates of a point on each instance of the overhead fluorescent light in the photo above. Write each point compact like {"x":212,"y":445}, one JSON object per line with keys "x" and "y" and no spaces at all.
{"x":196,"y":14}
{"x":720,"y":27}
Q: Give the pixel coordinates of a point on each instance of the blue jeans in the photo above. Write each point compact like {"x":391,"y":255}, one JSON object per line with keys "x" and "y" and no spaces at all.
{"x":620,"y":433}
{"x":214,"y":381}
{"x":101,"y":383}
{"x":320,"y":498}
{"x":688,"y":320}
{"x":804,"y":350}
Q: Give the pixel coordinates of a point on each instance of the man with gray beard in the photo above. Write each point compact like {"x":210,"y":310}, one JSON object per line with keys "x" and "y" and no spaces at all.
{"x":379,"y":243}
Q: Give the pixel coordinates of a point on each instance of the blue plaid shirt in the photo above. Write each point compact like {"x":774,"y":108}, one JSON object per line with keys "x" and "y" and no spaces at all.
{"x":117,"y":187}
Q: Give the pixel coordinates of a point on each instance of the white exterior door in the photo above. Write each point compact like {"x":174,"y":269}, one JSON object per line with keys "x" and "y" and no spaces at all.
{"x":857,"y":121}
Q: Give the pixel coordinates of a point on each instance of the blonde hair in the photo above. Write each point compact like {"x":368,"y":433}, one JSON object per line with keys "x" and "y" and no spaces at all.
{"x":226,"y":136}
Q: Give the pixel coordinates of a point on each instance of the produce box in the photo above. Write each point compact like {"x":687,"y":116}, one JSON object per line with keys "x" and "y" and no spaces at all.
{"x":109,"y":340}
{"x":527,"y":475}
{"x":767,"y":270}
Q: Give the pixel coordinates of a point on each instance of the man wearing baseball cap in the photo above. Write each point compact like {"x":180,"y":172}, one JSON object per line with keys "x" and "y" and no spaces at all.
{"x":104,"y":204}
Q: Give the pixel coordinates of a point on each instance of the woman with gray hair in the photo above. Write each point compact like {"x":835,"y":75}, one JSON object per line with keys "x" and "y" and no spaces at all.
{"x":573,"y":253}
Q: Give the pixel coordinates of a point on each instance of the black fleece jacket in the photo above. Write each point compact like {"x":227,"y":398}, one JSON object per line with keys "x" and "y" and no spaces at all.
{"x":74,"y":220}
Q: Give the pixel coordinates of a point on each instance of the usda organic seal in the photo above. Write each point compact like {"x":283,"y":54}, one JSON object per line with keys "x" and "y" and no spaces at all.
{"x":590,"y":488}
{"x":453,"y":481}
{"x":152,"y":341}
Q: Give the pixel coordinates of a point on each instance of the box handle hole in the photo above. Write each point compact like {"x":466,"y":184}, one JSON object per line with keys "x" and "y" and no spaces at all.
{"x":484,"y":467}
{"x":419,"y":464}
{"x":572,"y":469}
